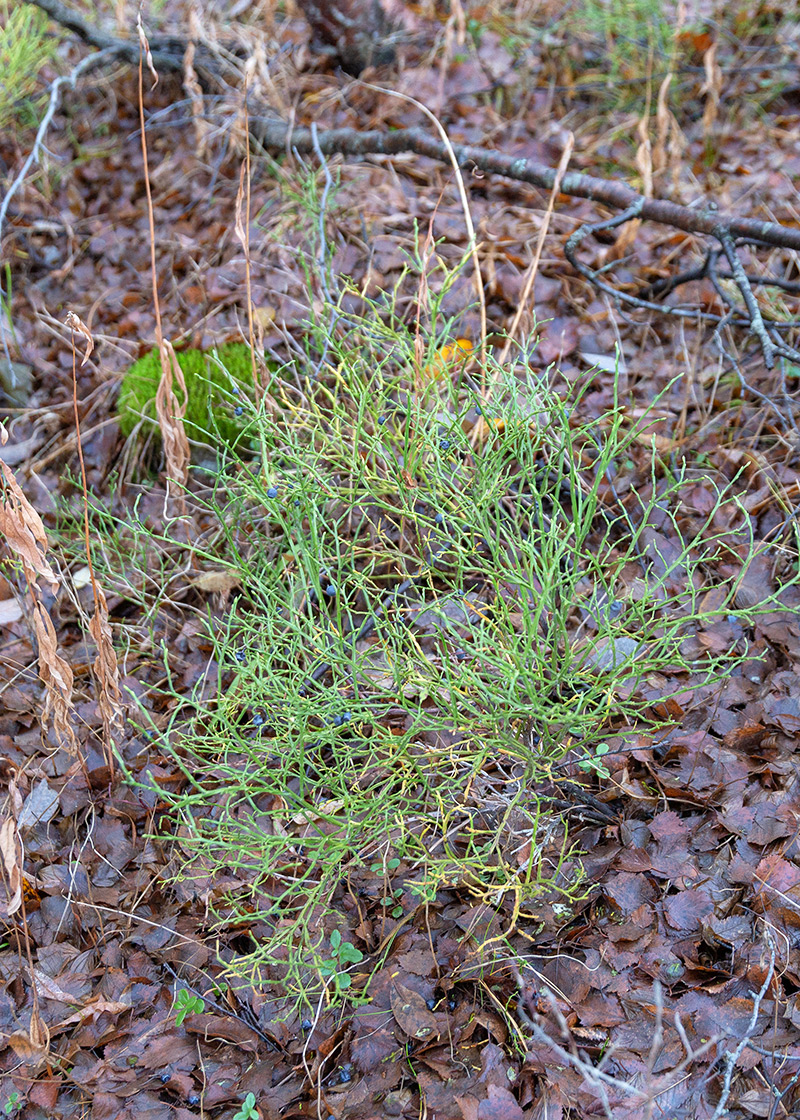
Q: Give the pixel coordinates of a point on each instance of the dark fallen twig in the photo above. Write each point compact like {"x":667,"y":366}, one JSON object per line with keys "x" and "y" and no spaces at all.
{"x":271,"y":133}
{"x":277,"y":135}
{"x":743,"y":284}
{"x":769,"y":347}
{"x":663,"y":287}
{"x":167,"y":50}
{"x":248,"y":1020}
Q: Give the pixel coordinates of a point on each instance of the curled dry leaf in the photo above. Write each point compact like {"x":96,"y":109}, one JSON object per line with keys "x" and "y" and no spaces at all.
{"x":223,"y":581}
{"x":23,"y":530}
{"x":77,"y":325}
{"x":11,"y":852}
{"x":26,"y":1049}
{"x":94,"y":1007}
{"x":56,"y":674}
{"x":170,"y":416}
{"x":145,"y":46}
{"x":105,"y":666}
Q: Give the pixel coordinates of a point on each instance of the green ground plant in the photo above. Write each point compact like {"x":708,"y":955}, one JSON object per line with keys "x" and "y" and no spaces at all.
{"x":218,"y":386}
{"x":436,"y":615}
{"x":24,"y":49}
{"x":187,"y":1004}
{"x":632,"y":31}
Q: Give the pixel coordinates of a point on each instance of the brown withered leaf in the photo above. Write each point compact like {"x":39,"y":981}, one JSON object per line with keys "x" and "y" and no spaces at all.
{"x":23,"y":530}
{"x":411,"y":1012}
{"x":79,"y":327}
{"x":32,"y":1046}
{"x":218,"y":1027}
{"x":57,"y":677}
{"x":11,"y":852}
{"x":170,"y":413}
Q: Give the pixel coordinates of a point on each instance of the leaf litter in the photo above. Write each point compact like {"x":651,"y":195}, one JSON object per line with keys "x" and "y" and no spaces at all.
{"x":688,"y":932}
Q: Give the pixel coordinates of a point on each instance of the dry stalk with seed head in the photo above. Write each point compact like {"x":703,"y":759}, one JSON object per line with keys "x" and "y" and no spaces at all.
{"x":106,"y":672}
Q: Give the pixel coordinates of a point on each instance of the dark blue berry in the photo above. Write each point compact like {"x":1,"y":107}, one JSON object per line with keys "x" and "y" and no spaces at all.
{"x":430,"y":1004}
{"x":193,"y":1099}
{"x":258,"y":720}
{"x":238,"y":410}
{"x":240,"y":655}
{"x":347,"y":717}
{"x":165,"y":1076}
{"x":478,"y":410}
{"x":444,"y":444}
{"x":235,"y":390}
{"x":330,"y":590}
{"x":337,"y":721}
{"x":346,"y":1073}
{"x":297,"y":501}
{"x":272,"y":492}
{"x":439,"y":518}
{"x":306,"y":1025}
{"x":381,"y":419}
{"x":451,"y":1004}
{"x":461,"y":655}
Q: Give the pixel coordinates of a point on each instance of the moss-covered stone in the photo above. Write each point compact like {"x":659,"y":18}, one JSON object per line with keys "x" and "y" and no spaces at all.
{"x":216,"y":389}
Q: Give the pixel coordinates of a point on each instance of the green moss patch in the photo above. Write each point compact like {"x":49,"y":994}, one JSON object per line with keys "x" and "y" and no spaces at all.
{"x":219,"y":386}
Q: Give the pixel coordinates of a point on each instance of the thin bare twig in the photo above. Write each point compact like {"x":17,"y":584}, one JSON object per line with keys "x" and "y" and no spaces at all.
{"x":732,"y":1056}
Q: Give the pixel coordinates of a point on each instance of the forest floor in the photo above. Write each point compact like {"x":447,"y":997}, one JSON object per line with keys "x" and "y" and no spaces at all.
{"x":458,"y":775}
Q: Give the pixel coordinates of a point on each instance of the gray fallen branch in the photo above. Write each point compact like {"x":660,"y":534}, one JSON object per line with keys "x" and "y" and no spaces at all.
{"x":277,"y":135}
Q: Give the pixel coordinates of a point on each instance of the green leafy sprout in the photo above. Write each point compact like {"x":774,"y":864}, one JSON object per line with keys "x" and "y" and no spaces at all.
{"x":343,"y":953}
{"x":187,"y":1004}
{"x":248,"y":1111}
{"x":14,"y":1103}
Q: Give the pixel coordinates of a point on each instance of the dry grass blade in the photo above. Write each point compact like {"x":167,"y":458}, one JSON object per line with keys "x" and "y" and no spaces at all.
{"x":462,"y":192}
{"x":170,"y":414}
{"x":56,"y":674}
{"x":11,"y":853}
{"x":23,"y":530}
{"x":105,"y":667}
{"x":194,"y":91}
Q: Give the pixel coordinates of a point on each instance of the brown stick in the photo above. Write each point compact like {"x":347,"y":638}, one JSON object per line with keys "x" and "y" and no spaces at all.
{"x":274,"y":134}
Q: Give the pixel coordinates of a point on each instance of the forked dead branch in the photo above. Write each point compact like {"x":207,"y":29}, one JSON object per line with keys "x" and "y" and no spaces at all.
{"x":729,"y":230}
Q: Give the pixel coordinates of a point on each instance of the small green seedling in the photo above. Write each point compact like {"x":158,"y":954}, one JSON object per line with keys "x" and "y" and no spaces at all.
{"x":187,"y":1004}
{"x":393,"y":900}
{"x":343,"y":953}
{"x":13,"y":1104}
{"x":593,"y":762}
{"x":391,"y":865}
{"x":248,"y":1111}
